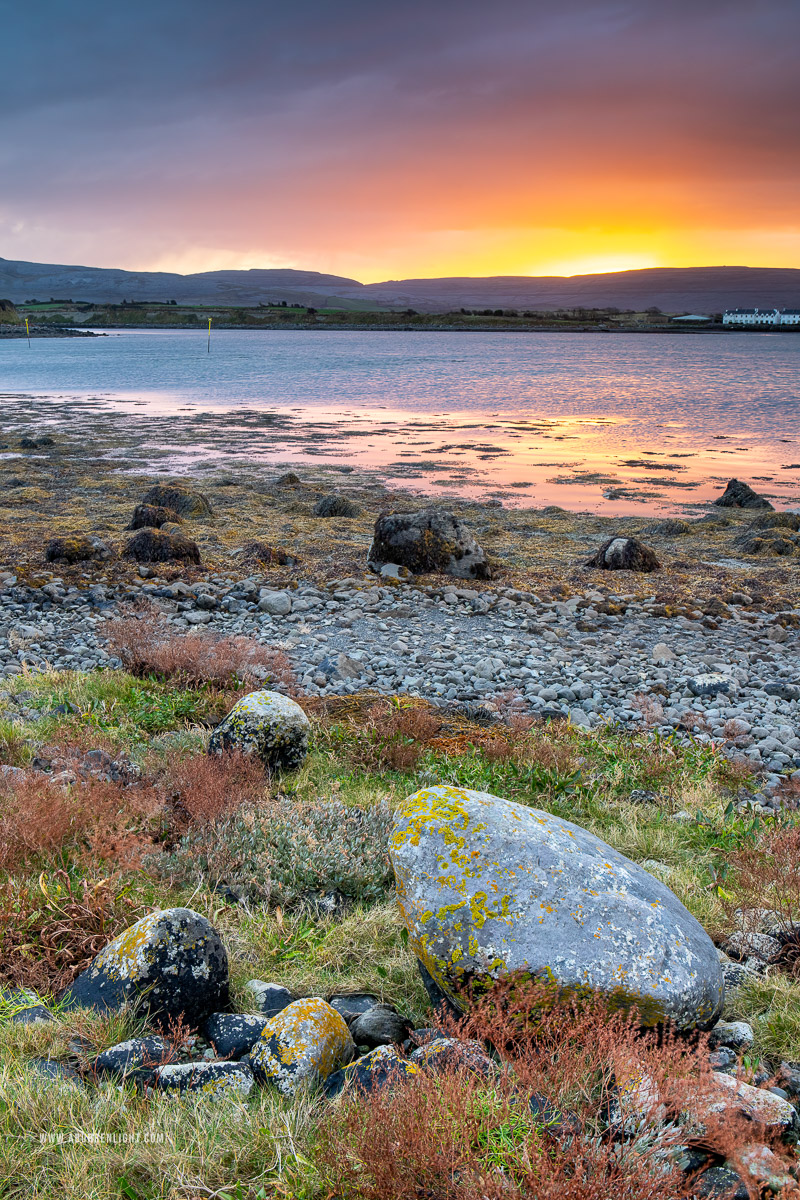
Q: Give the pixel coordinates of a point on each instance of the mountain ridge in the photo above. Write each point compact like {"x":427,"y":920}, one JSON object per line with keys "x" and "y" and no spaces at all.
{"x":672,"y":289}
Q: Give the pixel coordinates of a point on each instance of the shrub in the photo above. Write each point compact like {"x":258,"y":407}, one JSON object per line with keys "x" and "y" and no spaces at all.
{"x":393,"y":738}
{"x":765,"y":874}
{"x":582,"y":1105}
{"x":147,"y":646}
{"x":286,"y":852}
{"x":201,"y":789}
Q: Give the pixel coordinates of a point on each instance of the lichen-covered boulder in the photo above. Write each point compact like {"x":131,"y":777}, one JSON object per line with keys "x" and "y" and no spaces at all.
{"x":267,"y":724}
{"x":216,"y":1080}
{"x":625,"y":554}
{"x":303,"y":1045}
{"x":380,"y":1068}
{"x":430,"y":540}
{"x":170,"y":964}
{"x":181,"y":499}
{"x":487,"y":887}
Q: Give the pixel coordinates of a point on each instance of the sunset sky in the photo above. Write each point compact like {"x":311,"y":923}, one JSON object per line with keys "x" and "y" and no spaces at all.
{"x":390,"y":140}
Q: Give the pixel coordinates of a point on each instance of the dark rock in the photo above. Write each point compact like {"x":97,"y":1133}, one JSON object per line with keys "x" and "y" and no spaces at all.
{"x":270,"y":998}
{"x":642,"y":796}
{"x":77,"y":547}
{"x":135,"y":1059}
{"x":289,"y":479}
{"x":624,"y":554}
{"x":440,"y":1002}
{"x":54,"y":1070}
{"x":719,"y":1183}
{"x":740,"y":495}
{"x":154,"y":545}
{"x":353,"y":1004}
{"x":28,"y":443}
{"x":213,"y":1079}
{"x":784,"y":691}
{"x":446,"y":1053}
{"x":23,"y":1008}
{"x":776,"y":542}
{"x":430,"y":540}
{"x":170,"y":964}
{"x":151,"y":516}
{"x":381,"y":1025}
{"x":711,"y":684}
{"x":777,"y":520}
{"x":380,"y":1068}
{"x":722,"y":1059}
{"x":182,"y":500}
{"x":234,"y":1034}
{"x":268,"y":556}
{"x":336,"y":506}
{"x":267,"y":724}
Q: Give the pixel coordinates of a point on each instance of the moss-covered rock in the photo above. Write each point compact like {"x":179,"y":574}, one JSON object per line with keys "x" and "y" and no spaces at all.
{"x":487,"y":887}
{"x":156,"y":545}
{"x":430,"y":540}
{"x":184,"y":501}
{"x":152,"y":516}
{"x":77,"y":547}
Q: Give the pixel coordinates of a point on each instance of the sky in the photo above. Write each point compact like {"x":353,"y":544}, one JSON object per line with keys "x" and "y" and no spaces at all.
{"x":395,"y":140}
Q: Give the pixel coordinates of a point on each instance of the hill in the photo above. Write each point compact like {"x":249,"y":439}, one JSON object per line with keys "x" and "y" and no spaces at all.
{"x":672,"y":289}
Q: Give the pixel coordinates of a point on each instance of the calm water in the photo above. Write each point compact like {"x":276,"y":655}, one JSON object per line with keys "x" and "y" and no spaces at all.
{"x":548,"y":418}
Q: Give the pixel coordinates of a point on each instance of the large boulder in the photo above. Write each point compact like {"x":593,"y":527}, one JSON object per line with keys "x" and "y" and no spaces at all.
{"x":156,"y":545}
{"x":625,"y":554}
{"x":487,"y":887}
{"x":302,"y":1045}
{"x":430,"y":540}
{"x":184,"y":501}
{"x":740,"y":495}
{"x":267,"y":724}
{"x":170,"y":964}
{"x":77,"y":547}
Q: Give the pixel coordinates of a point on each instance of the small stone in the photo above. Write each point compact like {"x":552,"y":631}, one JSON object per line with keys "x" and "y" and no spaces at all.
{"x":380,"y":1025}
{"x":738,"y":1035}
{"x":353,"y":1004}
{"x":744,"y":944}
{"x":234,"y":1034}
{"x":270,"y":998}
{"x":662,"y":653}
{"x":137,"y":1058}
{"x":709,"y":684}
{"x":446,"y":1053}
{"x":278,"y":604}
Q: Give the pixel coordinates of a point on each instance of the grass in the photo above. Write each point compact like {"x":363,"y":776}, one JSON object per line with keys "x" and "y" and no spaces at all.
{"x":265,"y":1147}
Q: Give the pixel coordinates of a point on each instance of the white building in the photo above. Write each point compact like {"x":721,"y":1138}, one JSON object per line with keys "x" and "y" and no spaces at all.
{"x":751,"y":316}
{"x":762,"y":316}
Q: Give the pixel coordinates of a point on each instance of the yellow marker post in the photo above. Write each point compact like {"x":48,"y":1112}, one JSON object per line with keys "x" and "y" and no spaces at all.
{"x":209,"y":335}
{"x":27,"y":331}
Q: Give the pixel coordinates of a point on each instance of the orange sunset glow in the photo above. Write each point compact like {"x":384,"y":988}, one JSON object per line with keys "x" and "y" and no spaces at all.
{"x":389,"y":142}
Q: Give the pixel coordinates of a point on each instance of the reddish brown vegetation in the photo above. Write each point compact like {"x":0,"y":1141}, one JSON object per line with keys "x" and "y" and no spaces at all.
{"x":202,"y":789}
{"x":147,"y":646}
{"x":766,"y":875}
{"x":457,"y":1136}
{"x":50,"y":933}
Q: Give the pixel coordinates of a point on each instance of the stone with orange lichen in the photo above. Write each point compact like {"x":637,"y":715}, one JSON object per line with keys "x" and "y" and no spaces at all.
{"x":301,"y":1046}
{"x":487,"y":887}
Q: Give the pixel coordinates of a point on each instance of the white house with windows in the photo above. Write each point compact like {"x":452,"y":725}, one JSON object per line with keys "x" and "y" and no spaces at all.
{"x":761,"y":316}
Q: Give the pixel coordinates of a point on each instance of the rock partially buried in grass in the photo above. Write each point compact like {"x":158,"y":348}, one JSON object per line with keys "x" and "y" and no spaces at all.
{"x":152,"y":516}
{"x":234,"y":1034}
{"x":184,"y":501}
{"x":740,"y":495}
{"x":301,"y":1046}
{"x":170,"y":964}
{"x":138,"y":1058}
{"x":216,"y":1080}
{"x":77,"y":547}
{"x":268,"y":724}
{"x":487,"y":887}
{"x":625,"y":554}
{"x":430,"y":540}
{"x":379,"y":1069}
{"x":336,"y":506}
{"x":156,"y":545}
